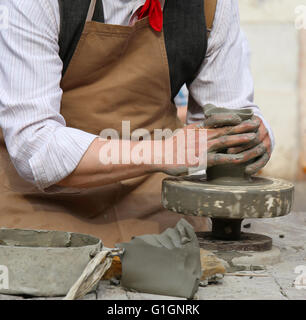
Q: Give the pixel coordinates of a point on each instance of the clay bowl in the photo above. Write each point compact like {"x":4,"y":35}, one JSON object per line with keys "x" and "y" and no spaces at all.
{"x":244,"y":114}
{"x":43,"y":263}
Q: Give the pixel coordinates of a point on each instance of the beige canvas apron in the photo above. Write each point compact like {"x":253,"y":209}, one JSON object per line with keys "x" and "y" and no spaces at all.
{"x":117,"y":73}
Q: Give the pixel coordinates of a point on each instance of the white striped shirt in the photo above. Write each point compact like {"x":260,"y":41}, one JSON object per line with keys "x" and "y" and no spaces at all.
{"x":45,"y":151}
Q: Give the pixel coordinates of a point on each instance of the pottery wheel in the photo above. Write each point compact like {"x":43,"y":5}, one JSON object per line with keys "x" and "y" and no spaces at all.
{"x":227,"y":196}
{"x":247,"y":242}
{"x":259,"y":198}
{"x":227,"y":203}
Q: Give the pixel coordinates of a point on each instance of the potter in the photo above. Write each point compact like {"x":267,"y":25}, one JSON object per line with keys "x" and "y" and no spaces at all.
{"x":72,"y":68}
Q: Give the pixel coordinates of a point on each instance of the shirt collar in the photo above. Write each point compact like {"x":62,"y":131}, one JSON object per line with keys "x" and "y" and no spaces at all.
{"x":136,"y":4}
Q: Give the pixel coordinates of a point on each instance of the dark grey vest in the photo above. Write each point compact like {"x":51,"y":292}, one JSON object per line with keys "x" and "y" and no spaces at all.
{"x":184,"y":29}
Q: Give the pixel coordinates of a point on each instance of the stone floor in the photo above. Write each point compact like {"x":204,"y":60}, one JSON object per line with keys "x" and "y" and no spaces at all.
{"x":275,"y":283}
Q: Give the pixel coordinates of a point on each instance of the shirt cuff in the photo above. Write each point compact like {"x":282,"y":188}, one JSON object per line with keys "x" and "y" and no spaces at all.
{"x":59,"y":157}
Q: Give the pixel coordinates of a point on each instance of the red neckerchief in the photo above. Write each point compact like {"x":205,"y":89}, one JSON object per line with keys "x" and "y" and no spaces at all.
{"x":152,"y":8}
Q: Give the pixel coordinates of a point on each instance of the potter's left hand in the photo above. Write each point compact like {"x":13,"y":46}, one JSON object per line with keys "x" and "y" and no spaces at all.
{"x":260,"y":149}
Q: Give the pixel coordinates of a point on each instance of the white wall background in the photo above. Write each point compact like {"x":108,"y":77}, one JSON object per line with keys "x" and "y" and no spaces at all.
{"x":274,"y":41}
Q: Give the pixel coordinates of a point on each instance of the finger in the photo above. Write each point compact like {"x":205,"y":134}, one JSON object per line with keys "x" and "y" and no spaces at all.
{"x":215,"y":159}
{"x":253,"y":153}
{"x":236,"y":150}
{"x":218,"y":132}
{"x":267,"y":142}
{"x":261,"y":135}
{"x":246,"y":126}
{"x":258,"y":165}
{"x":248,"y":146}
{"x":221,"y":158}
{"x":221,"y":120}
{"x":225,"y":142}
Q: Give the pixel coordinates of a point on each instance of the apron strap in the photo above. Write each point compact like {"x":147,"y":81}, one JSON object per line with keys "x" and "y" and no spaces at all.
{"x":91,"y":10}
{"x":95,"y":12}
{"x":73,"y":17}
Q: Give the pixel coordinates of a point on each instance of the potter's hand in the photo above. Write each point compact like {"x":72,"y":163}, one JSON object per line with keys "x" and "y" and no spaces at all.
{"x":218,"y":140}
{"x":259,"y":149}
{"x":227,"y":124}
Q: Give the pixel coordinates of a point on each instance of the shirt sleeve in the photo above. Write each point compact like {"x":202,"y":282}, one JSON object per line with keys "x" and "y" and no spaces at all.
{"x":224,"y":78}
{"x":44,"y":151}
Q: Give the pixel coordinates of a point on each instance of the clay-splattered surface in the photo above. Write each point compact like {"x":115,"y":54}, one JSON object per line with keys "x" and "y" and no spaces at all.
{"x":288,"y":233}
